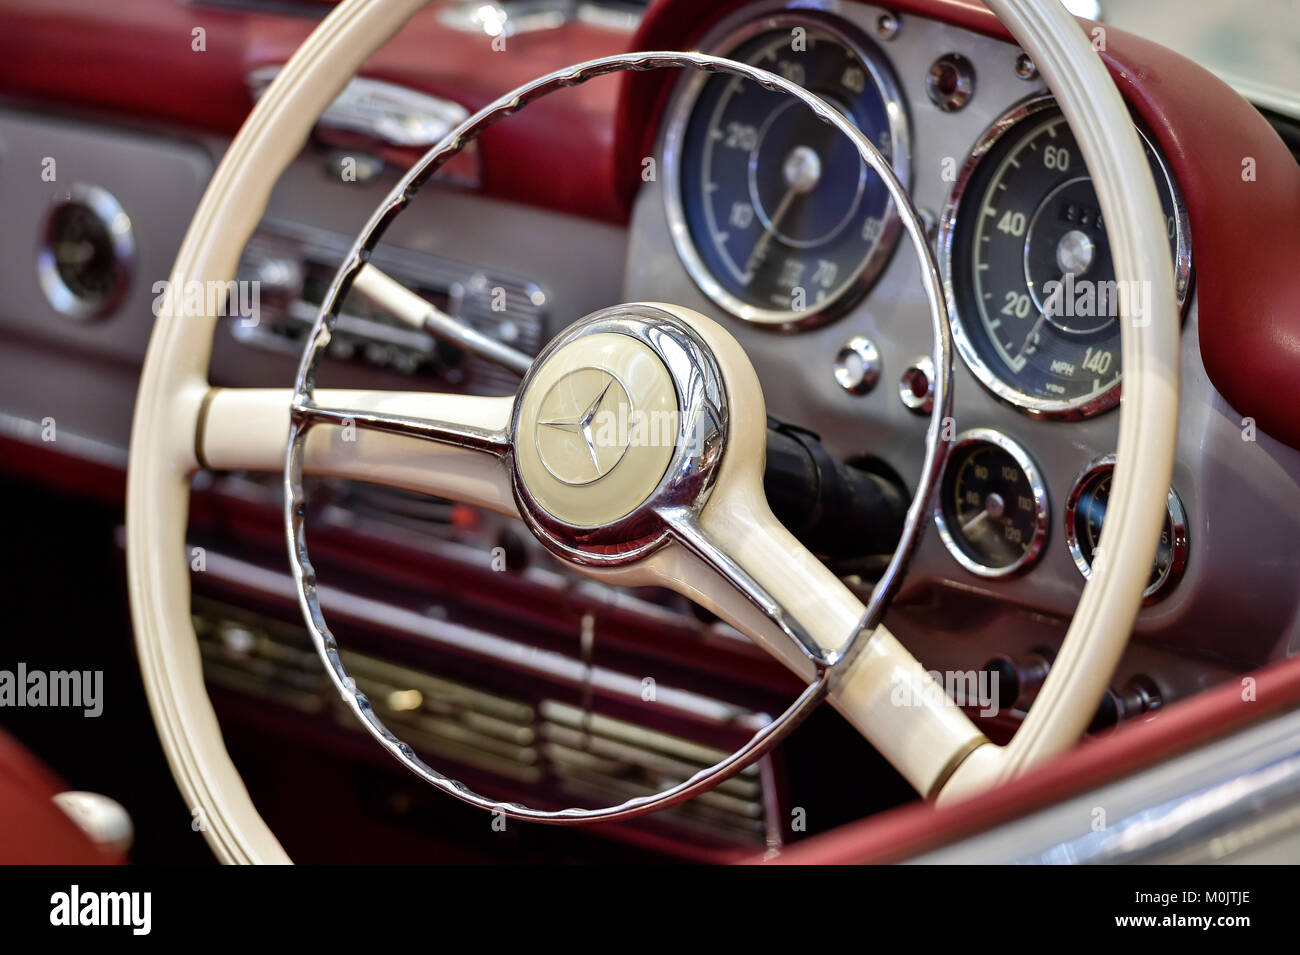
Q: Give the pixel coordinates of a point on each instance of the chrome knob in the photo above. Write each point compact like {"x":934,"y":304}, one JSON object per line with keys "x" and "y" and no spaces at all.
{"x":857,"y":365}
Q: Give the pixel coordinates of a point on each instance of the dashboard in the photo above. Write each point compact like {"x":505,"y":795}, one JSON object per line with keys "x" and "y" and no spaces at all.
{"x":709,"y":192}
{"x":799,"y":256}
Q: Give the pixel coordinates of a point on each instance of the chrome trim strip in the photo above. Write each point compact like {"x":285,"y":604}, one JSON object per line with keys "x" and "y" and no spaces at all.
{"x":69,"y":443}
{"x":1234,"y":799}
{"x":385,"y":112}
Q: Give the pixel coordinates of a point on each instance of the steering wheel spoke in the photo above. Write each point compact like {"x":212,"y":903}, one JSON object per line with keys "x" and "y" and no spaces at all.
{"x":754,"y":574}
{"x":446,"y":445}
{"x":455,"y":433}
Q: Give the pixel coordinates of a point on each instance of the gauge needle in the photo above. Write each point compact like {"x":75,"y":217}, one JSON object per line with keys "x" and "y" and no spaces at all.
{"x":975,"y":522}
{"x":802,"y":171}
{"x":760,"y":247}
{"x":1033,"y":333}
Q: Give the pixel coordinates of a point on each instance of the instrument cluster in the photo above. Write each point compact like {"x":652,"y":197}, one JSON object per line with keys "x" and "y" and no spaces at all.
{"x":783,"y":229}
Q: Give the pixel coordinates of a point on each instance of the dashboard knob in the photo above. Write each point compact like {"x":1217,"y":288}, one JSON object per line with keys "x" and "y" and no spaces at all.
{"x":1018,"y":681}
{"x":916,"y":387}
{"x":857,"y":365}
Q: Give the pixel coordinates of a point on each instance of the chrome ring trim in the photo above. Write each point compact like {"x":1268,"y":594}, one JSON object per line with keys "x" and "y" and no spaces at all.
{"x":1042,"y":509}
{"x":698,"y":459}
{"x":110,"y":213}
{"x":1030,"y":404}
{"x":863,"y":379}
{"x":1180,"y":542}
{"x":679,"y":114}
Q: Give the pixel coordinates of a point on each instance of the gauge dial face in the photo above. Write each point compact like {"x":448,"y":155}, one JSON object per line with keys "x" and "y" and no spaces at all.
{"x":1029,"y":264}
{"x":992,"y":511}
{"x":1086,"y":510}
{"x":774,"y":213}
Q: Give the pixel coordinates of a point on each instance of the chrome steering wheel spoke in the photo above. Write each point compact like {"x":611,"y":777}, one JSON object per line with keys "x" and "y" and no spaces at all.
{"x":456,"y":434}
{"x":687,"y":530}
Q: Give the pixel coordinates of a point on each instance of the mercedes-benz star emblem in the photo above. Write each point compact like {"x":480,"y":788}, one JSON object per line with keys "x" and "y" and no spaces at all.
{"x":583,"y":426}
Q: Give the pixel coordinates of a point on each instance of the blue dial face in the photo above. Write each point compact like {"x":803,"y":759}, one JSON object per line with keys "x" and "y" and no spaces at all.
{"x":785,"y":217}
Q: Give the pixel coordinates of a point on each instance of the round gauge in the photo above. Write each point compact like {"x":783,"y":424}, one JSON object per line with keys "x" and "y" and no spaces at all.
{"x":773,"y":212}
{"x":992,"y":510}
{"x":1086,"y":509}
{"x":1028,"y":266}
{"x":84,"y":260}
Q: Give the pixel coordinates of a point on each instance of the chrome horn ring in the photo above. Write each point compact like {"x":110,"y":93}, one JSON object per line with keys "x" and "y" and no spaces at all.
{"x":675,"y":515}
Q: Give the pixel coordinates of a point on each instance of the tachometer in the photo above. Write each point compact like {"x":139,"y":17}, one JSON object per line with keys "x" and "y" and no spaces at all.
{"x":1029,"y":271}
{"x":992,"y":512}
{"x":773,"y":212}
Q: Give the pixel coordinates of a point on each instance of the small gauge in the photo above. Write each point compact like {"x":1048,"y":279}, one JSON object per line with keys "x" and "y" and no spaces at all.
{"x":1086,"y":509}
{"x":992,"y":512}
{"x":84,"y":262}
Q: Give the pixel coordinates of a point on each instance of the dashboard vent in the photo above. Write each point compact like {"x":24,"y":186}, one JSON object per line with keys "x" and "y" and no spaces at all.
{"x":606,"y":759}
{"x":542,"y":744}
{"x":440,"y":717}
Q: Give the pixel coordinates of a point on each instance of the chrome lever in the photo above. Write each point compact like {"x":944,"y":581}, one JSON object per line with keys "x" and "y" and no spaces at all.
{"x":392,"y":296}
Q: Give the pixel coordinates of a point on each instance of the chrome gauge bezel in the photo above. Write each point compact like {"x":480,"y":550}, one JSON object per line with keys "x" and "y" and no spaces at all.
{"x":1033,"y":405}
{"x":1180,"y":543}
{"x":1042,"y":505}
{"x":682,"y":109}
{"x":112,"y":218}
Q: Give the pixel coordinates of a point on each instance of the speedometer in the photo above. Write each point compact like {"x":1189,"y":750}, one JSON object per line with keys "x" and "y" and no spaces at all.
{"x":773,"y":212}
{"x":1031,"y":282}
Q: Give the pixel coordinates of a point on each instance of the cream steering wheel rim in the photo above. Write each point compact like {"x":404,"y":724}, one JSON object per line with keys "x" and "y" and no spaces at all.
{"x":174,"y":399}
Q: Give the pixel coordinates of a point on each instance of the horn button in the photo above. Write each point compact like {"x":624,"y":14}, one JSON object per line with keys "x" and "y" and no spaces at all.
{"x":621,"y":416}
{"x":597,"y":427}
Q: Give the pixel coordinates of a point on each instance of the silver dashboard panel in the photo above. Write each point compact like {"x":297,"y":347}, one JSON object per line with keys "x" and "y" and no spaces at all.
{"x":1238,"y":601}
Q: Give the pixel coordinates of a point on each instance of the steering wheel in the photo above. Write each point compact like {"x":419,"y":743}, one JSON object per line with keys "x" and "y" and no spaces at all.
{"x":633,"y":450}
